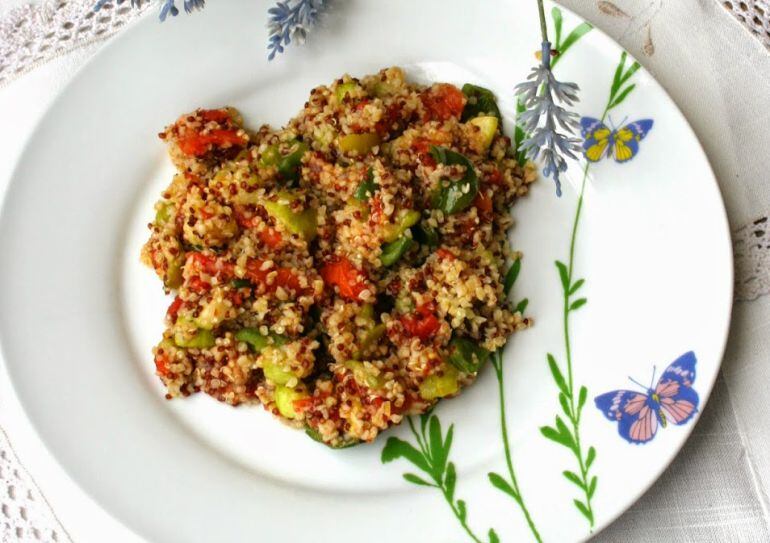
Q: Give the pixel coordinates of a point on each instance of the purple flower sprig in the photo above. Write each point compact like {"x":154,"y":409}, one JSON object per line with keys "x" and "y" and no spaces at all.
{"x":167,"y":7}
{"x":287,"y":20}
{"x":291,"y":20}
{"x":549,"y":129}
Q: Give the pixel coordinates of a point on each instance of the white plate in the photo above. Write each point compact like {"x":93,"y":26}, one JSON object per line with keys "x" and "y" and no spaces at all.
{"x":79,"y":313}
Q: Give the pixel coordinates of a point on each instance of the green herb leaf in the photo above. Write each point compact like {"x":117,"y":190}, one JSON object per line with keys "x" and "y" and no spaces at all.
{"x":622,"y":96}
{"x":592,"y":487}
{"x":573,"y":478}
{"x":519,"y":135}
{"x":563,"y":274}
{"x":565,"y":405}
{"x":455,"y":196}
{"x":241,"y":283}
{"x":466,"y":355}
{"x":582,"y":396}
{"x":481,"y":101}
{"x":393,"y":251}
{"x":521,"y":306}
{"x":493,"y":538}
{"x":583,"y":508}
{"x":577,"y":304}
{"x":579,"y":31}
{"x":437,"y":447}
{"x":398,"y":448}
{"x":557,"y":24}
{"x":450,"y":479}
{"x":630,"y":72}
{"x":558,"y":377}
{"x":462,"y":513}
{"x":576,"y":286}
{"x":501,"y":484}
{"x":426,"y":235}
{"x":511,"y":275}
{"x":412,"y":478}
{"x":618,"y":74}
{"x":367,"y":188}
{"x":590,"y":457}
{"x":554,"y":435}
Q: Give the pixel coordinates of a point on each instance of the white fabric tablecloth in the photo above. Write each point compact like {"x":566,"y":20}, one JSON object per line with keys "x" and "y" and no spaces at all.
{"x":719,"y":75}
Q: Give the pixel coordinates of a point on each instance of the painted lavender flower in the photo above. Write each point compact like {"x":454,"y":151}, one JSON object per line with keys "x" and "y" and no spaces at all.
{"x":287,"y":20}
{"x":291,"y":20}
{"x":543,"y":119}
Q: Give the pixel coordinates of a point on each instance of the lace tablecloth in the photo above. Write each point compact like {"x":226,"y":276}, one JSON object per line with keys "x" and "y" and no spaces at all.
{"x":716,"y":490}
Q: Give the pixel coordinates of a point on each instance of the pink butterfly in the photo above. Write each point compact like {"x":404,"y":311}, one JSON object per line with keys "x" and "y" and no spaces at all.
{"x":672,"y":400}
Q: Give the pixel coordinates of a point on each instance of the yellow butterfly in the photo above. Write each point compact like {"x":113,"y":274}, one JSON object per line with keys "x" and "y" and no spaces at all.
{"x":599,"y":141}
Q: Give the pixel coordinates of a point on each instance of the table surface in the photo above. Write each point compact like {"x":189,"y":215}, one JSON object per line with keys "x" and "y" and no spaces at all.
{"x":719,"y":75}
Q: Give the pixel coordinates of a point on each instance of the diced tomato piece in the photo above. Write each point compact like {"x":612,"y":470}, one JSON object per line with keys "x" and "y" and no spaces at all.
{"x":270,"y":237}
{"x":484,"y":204}
{"x":161,"y":364}
{"x":196,"y":284}
{"x":445,"y":253}
{"x":237,"y":299}
{"x":495,"y":177}
{"x":285,"y":277}
{"x":349,"y":280}
{"x":216,"y":115}
{"x":423,"y":323}
{"x":200,"y":144}
{"x":173,"y":309}
{"x":391,"y":117}
{"x":442,"y":102}
{"x":303,"y":404}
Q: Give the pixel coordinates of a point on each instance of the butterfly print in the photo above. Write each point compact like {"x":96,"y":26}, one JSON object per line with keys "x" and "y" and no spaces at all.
{"x":672,"y":400}
{"x":623,"y":143}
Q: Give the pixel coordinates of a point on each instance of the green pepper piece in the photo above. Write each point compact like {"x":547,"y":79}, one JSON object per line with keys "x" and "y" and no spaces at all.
{"x":465,"y":355}
{"x":426,"y":235}
{"x":457,"y":195}
{"x":394,"y":250}
{"x":257,"y":341}
{"x":367,"y":188}
{"x":481,"y":101}
{"x":203,"y":339}
{"x":241,"y":283}
{"x":288,"y":166}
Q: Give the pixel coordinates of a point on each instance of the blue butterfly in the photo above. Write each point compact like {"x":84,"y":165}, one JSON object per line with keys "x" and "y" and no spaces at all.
{"x":639,"y":414}
{"x":600,"y":141}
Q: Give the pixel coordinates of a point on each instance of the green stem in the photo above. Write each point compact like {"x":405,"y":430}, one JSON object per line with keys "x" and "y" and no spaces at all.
{"x":543,"y":27}
{"x":509,"y":462}
{"x":575,"y":418}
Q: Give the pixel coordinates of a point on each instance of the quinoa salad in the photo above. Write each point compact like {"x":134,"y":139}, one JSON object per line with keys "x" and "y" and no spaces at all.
{"x":344,"y":271}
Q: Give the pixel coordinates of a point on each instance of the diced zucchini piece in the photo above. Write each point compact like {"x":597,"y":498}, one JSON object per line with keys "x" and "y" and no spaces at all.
{"x":304,"y":223}
{"x":406,"y":218}
{"x":438,"y":386}
{"x":201,"y":339}
{"x":285,"y":399}
{"x":364,"y":376}
{"x":212,"y":314}
{"x":257,"y":341}
{"x":358,"y":143}
{"x":487,"y":129}
{"x":349,"y":88}
{"x":163,"y":214}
